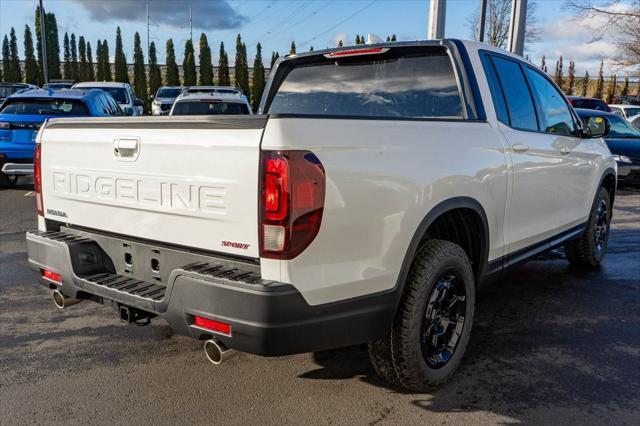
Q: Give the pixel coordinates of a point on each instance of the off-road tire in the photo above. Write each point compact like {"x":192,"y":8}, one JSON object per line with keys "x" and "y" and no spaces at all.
{"x":381,"y":360}
{"x":585,"y":251}
{"x":433,"y":259}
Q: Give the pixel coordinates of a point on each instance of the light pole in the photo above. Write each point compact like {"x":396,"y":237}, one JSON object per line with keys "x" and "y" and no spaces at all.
{"x":43,"y":41}
{"x":437,"y":13}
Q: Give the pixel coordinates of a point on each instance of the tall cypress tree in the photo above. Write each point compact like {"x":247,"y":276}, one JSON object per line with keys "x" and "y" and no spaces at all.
{"x":585,"y":84}
{"x":155,"y":77}
{"x":53,"y":45}
{"x":274,"y":58}
{"x":91,"y":76}
{"x":611,"y":92}
{"x":139,"y":72}
{"x":82,"y":59}
{"x":223,"y":67}
{"x":625,"y":86}
{"x":30,"y":63}
{"x":99,"y":68}
{"x":67,"y":57}
{"x":106,"y":61}
{"x":237,"y":65}
{"x":559,"y":78}
{"x":172,"y":75}
{"x":245,"y":72}
{"x":571,"y":77}
{"x":258,"y":78}
{"x":14,"y":64}
{"x":6,"y":60}
{"x":206,"y":68}
{"x":189,"y":64}
{"x":600,"y":82}
{"x":393,"y":37}
{"x":75,"y":69}
{"x":121,"y":73}
{"x":292,"y":49}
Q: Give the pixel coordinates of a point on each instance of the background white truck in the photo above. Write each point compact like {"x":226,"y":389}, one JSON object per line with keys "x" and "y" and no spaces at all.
{"x":380,"y":186}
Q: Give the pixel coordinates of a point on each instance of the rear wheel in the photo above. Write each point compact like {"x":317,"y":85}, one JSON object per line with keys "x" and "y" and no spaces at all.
{"x":589,"y":249}
{"x":432,"y":327}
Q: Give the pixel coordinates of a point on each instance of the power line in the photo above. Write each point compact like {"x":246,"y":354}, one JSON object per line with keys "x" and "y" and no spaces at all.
{"x":305,"y":18}
{"x":289,"y":16}
{"x":368,"y":5}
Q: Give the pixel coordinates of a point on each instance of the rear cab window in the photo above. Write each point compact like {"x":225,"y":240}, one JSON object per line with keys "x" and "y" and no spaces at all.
{"x":403,"y":82}
{"x":44,"y":107}
{"x":209,"y":108}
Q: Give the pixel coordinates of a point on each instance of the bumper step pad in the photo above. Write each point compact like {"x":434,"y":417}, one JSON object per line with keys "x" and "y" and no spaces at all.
{"x":128,"y":285}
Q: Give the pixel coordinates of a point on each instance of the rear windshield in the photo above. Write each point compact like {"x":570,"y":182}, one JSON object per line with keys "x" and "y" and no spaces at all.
{"x":44,"y":107}
{"x":209,"y":108}
{"x":118,"y":93}
{"x":168,"y":93}
{"x":590,"y":104}
{"x":416,"y":85}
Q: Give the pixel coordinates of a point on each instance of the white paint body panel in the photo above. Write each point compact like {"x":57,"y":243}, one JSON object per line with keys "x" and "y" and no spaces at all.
{"x":194,"y":188}
{"x":382,"y":179}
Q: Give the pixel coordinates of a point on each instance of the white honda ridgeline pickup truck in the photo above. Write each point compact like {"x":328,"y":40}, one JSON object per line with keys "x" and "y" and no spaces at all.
{"x":380,"y":185}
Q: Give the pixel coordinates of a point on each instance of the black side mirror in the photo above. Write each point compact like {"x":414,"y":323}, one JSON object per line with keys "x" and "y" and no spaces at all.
{"x":138,"y":102}
{"x":128,"y":111}
{"x":595,"y":127}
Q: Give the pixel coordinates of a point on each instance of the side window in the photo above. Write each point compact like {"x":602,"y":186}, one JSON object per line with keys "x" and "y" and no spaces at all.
{"x":496,"y":93}
{"x":115,"y":108}
{"x":522,"y":114}
{"x":616,"y":111}
{"x":555,"y":113}
{"x":104,"y":105}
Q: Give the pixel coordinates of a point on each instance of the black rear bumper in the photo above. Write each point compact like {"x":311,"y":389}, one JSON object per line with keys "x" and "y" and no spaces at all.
{"x":267,"y":318}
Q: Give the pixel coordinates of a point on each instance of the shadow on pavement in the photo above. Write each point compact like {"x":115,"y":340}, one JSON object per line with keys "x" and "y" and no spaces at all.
{"x":544,"y":335}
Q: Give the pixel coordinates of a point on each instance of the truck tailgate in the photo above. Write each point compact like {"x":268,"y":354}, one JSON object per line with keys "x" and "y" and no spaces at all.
{"x":187,"y":181}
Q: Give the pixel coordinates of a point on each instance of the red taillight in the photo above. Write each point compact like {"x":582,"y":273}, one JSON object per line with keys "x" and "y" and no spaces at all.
{"x":37,"y":177}
{"x":209,"y":324}
{"x":52,"y":276}
{"x":291,"y":202}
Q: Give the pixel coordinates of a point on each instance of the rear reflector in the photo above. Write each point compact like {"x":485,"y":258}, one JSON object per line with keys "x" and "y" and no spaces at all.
{"x":209,"y":324}
{"x":357,"y":52}
{"x":52,"y":276}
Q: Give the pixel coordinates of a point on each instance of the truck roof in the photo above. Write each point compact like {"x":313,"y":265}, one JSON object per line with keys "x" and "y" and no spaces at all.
{"x":99,"y":84}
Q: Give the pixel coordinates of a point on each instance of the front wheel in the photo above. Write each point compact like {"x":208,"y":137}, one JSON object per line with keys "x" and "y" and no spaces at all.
{"x":590,"y":248}
{"x":432,"y":327}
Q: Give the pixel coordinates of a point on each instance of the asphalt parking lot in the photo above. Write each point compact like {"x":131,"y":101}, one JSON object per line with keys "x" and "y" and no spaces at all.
{"x":550,"y":345}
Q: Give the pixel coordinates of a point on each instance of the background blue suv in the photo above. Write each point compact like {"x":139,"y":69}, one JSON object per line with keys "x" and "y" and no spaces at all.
{"x":22,"y":114}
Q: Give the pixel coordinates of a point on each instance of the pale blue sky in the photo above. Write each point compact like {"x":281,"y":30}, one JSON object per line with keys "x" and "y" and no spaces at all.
{"x":275,"y":23}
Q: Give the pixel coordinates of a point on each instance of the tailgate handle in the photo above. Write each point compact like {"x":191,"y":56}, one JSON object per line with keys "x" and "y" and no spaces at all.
{"x":126,"y":148}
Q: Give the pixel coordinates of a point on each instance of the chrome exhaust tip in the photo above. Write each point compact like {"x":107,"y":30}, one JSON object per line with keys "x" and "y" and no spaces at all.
{"x":61,"y":301}
{"x":216,"y":352}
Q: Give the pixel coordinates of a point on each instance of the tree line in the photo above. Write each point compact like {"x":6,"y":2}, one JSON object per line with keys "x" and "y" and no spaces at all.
{"x":600,"y":87}
{"x":78,"y":63}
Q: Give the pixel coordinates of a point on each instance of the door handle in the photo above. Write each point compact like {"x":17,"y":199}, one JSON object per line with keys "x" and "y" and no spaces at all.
{"x":564,"y":150}
{"x":126,"y":149}
{"x":519,"y":147}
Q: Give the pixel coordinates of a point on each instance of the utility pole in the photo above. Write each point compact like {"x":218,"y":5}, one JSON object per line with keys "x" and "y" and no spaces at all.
{"x":437,"y":13}
{"x":483,"y":19}
{"x":43,"y":41}
{"x":147,"y":31}
{"x":517,"y":26}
